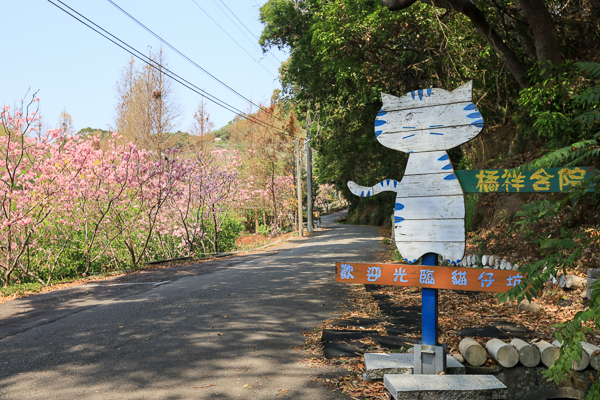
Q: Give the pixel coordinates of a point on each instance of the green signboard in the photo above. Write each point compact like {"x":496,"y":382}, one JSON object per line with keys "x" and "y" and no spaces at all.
{"x":542,"y":180}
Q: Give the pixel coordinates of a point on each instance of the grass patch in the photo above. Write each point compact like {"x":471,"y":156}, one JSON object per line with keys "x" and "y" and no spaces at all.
{"x":21,"y":289}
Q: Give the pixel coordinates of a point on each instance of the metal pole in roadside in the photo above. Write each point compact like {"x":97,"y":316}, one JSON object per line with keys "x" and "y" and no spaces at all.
{"x":299,"y":186}
{"x":309,"y":205}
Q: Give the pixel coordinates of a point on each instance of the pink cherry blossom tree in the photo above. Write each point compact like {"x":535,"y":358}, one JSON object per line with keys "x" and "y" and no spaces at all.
{"x":34,"y":174}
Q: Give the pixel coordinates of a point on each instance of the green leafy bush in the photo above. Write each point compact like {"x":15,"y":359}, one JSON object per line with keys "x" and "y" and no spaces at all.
{"x":562,"y":109}
{"x":562,"y":106}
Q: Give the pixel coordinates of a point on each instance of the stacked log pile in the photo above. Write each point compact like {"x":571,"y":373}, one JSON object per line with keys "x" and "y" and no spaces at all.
{"x":567,"y":282}
{"x":529,"y":355}
{"x":486,"y":261}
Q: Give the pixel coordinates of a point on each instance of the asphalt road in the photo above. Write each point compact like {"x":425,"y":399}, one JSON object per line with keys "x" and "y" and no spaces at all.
{"x":226,"y":330}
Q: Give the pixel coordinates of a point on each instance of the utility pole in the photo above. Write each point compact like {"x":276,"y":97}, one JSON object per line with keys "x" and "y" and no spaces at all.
{"x":309,"y":205}
{"x":299,"y":186}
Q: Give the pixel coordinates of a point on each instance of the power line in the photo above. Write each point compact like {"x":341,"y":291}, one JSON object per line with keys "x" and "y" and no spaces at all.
{"x":179,"y":79}
{"x":227,"y":33}
{"x":139,"y":54}
{"x":257,"y":39}
{"x":186,"y":57}
{"x":134,"y":52}
{"x":240,"y":29}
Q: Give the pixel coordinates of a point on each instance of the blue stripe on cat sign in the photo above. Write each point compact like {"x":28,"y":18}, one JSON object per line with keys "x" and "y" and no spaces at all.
{"x":380,"y":113}
{"x":413,"y":95}
{"x":449,"y":166}
{"x":368,"y":193}
{"x":388,"y":182}
{"x":474,"y":115}
{"x":450,"y":177}
{"x":405,"y":137}
{"x":478,"y":123}
{"x":470,"y":107}
{"x":420,"y":92}
{"x":379,"y":122}
{"x":381,"y":183}
{"x":443,"y":158}
{"x":428,"y":92}
{"x":362,"y":194}
{"x":395,"y":183}
{"x":377,"y":133}
{"x":399,"y":206}
{"x":398,"y":219}
{"x":433,"y":133}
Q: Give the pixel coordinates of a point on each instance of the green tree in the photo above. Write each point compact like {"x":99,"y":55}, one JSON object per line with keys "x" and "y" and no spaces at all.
{"x":520,"y":31}
{"x":343,"y":54}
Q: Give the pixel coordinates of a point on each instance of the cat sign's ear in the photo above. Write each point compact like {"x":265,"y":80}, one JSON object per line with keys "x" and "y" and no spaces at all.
{"x":464,"y":92}
{"x":389,"y":101}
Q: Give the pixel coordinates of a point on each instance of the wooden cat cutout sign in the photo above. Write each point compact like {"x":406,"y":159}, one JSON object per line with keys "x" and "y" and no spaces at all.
{"x":429,"y":215}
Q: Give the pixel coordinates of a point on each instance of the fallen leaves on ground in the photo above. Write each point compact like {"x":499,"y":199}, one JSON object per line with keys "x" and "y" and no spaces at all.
{"x":456,"y":311}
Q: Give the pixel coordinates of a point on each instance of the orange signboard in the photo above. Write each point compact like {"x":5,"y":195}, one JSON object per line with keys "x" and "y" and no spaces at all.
{"x":473,"y":279}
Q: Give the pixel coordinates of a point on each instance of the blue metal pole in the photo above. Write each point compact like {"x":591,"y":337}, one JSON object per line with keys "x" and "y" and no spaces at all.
{"x":429,"y":300}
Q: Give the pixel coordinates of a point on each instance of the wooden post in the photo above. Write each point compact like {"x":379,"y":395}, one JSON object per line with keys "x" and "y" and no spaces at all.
{"x":529,"y":355}
{"x":548,"y":352}
{"x":472,"y":351}
{"x":299,"y":185}
{"x":583,"y":362}
{"x":255,"y":218}
{"x":429,"y":314}
{"x":594,"y":354}
{"x":504,"y":354}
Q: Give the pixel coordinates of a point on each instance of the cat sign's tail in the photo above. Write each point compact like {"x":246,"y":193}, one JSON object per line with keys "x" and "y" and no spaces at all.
{"x":386,"y":185}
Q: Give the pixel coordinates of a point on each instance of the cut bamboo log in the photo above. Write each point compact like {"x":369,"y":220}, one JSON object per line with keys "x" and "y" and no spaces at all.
{"x":472,"y":351}
{"x":503,"y":353}
{"x":572,"y":282}
{"x":496,"y":263}
{"x":594,"y":354}
{"x":529,"y":355}
{"x":575,"y":282}
{"x":582,"y":364}
{"x":562,"y":281}
{"x":484,"y":260}
{"x":548,"y":352}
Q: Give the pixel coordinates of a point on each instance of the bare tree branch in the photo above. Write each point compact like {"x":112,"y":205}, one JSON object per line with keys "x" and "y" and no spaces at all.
{"x":479,"y":21}
{"x":395,"y":5}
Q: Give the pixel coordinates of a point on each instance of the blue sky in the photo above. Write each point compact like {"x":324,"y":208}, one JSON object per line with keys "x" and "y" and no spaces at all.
{"x":76,"y":69}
